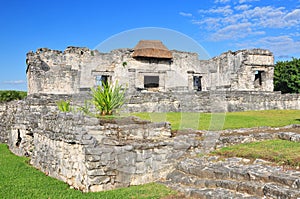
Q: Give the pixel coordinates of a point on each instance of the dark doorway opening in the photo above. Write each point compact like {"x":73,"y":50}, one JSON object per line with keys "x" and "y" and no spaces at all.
{"x":19,"y":139}
{"x":151,"y":81}
{"x":258,"y":77}
{"x":197,"y":83}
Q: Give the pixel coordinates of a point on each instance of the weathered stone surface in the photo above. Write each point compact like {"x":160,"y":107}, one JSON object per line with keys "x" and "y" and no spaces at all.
{"x":56,"y":72}
{"x":208,"y":175}
{"x":92,"y":154}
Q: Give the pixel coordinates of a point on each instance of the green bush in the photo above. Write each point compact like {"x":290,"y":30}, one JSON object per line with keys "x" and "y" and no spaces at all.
{"x":287,"y":76}
{"x":64,"y":106}
{"x":10,"y":95}
{"x":108,"y":98}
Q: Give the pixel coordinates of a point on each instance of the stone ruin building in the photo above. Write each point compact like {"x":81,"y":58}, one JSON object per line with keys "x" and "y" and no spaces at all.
{"x":92,"y":154}
{"x":161,"y":80}
{"x":150,"y":66}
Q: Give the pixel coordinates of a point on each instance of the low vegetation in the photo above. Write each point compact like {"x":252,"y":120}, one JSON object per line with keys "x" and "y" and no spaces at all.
{"x":232,"y":120}
{"x":20,"y":180}
{"x":10,"y":95}
{"x":106,"y":99}
{"x":282,"y":152}
{"x":64,"y":106}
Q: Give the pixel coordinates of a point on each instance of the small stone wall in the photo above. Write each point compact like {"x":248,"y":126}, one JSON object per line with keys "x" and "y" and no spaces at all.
{"x":91,"y":154}
{"x":94,"y":155}
{"x":214,"y":101}
{"x":218,"y":101}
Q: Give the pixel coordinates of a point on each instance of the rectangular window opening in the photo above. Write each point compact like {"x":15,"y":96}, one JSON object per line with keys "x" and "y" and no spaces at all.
{"x":197,"y":83}
{"x":151,"y":81}
{"x":102,"y":79}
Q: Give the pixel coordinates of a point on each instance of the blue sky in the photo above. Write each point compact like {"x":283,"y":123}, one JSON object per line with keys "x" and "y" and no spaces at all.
{"x":218,"y":25}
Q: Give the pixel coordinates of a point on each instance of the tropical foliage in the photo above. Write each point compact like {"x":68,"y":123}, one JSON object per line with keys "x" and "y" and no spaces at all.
{"x":108,"y":98}
{"x":287,"y":76}
{"x":10,"y":95}
{"x":86,"y":108}
{"x":64,"y":106}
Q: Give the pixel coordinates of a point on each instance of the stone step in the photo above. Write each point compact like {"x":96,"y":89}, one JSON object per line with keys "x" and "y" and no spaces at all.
{"x":207,"y":193}
{"x":236,"y":169}
{"x":242,"y":187}
{"x":248,"y":188}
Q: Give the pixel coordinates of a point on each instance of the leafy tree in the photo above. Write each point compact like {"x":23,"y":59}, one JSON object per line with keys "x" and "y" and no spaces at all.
{"x":287,"y":76}
{"x":108,"y":98}
{"x":10,"y":95}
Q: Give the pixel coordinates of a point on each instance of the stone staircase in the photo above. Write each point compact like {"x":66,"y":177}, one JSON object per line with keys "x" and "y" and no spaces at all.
{"x":215,"y":177}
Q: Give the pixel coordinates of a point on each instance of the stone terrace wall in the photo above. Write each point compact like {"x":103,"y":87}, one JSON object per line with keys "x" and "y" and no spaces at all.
{"x":21,"y":117}
{"x":95,"y":156}
{"x":226,"y":101}
{"x":217,"y":101}
{"x":88,"y":153}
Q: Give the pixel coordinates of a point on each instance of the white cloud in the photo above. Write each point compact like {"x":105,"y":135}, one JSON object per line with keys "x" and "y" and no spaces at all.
{"x":242,"y":7}
{"x":218,"y":20}
{"x":293,"y":16}
{"x":235,"y":31}
{"x":185,"y":14}
{"x":222,"y":1}
{"x":14,"y":82}
{"x":247,"y":1}
{"x":210,"y":23}
{"x":248,"y":24}
{"x":281,"y":46}
{"x":226,"y":10}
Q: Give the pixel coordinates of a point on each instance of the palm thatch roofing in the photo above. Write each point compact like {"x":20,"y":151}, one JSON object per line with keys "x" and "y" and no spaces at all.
{"x":152,"y":49}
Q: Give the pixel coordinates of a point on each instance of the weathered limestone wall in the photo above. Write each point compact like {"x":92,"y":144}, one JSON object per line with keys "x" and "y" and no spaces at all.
{"x":3,"y":119}
{"x":218,"y":101}
{"x":94,"y":155}
{"x":88,"y":153}
{"x":77,"y":69}
{"x":236,"y":71}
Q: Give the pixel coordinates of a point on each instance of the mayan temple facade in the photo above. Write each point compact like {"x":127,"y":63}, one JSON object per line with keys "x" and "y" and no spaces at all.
{"x":149,"y":67}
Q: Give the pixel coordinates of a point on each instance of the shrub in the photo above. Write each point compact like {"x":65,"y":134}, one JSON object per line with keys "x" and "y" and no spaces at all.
{"x":64,"y":106}
{"x":287,"y":76}
{"x":10,"y":95}
{"x":108,"y":98}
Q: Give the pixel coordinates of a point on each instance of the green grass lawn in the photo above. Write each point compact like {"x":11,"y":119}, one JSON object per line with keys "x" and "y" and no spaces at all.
{"x":281,"y":152}
{"x":19,"y":180}
{"x":230,"y":120}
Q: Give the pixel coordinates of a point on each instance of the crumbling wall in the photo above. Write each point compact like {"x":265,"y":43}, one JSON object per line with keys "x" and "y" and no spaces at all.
{"x":78,"y":69}
{"x":211,"y":101}
{"x":243,"y":70}
{"x":3,"y":123}
{"x":96,"y":155}
{"x":88,"y":153}
{"x":52,"y":72}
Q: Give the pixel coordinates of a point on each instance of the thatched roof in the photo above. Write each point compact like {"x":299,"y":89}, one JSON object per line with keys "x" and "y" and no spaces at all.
{"x":152,"y":48}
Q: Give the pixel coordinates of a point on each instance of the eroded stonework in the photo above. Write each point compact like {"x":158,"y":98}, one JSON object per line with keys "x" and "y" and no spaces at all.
{"x":78,"y":69}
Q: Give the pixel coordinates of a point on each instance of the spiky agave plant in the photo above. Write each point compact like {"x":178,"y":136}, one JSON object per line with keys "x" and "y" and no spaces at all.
{"x":108,"y":98}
